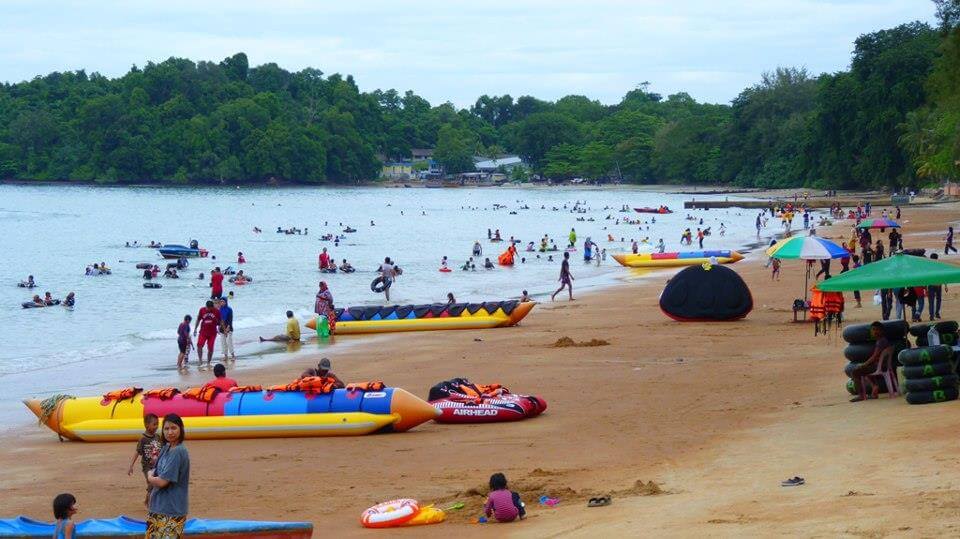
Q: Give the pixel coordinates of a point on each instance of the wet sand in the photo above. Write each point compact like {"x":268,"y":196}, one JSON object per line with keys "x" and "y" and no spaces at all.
{"x":691,"y":427}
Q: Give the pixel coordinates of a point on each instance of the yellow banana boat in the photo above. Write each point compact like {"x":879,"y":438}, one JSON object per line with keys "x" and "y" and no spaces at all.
{"x":687,"y":258}
{"x":392,"y":318}
{"x":255,"y":414}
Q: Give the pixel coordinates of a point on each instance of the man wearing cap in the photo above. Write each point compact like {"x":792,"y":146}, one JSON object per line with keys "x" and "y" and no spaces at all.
{"x":323,"y":369}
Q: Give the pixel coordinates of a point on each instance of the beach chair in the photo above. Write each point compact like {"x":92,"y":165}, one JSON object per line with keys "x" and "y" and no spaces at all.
{"x":885,"y":370}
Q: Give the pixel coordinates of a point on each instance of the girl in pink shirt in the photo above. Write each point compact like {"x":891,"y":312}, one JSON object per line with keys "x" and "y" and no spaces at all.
{"x":503,"y":504}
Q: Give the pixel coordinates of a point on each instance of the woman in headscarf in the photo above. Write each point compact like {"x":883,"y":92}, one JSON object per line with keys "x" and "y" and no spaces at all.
{"x":324,"y":306}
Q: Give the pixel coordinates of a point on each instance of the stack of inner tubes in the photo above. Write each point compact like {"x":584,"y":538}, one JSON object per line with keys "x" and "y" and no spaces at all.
{"x":929,"y":374}
{"x":860,"y":345}
{"x":410,"y":312}
{"x":947,"y":330}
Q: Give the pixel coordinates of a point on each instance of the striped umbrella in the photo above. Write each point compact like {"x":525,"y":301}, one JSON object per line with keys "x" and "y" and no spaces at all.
{"x":878,"y":223}
{"x":806,"y":248}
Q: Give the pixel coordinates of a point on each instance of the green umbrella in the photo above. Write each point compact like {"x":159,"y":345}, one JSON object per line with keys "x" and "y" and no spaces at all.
{"x":898,"y":271}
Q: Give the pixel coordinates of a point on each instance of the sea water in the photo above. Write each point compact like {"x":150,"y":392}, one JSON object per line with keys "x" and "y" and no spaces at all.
{"x":120,"y":333}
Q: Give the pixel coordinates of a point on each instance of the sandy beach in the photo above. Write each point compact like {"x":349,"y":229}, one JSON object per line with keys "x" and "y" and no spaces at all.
{"x":691,"y":427}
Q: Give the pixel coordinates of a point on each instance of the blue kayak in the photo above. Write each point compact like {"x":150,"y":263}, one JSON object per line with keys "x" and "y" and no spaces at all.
{"x":124,"y":526}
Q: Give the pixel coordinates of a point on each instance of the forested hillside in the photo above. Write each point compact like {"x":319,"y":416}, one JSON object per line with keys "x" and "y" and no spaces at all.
{"x":890,"y":120}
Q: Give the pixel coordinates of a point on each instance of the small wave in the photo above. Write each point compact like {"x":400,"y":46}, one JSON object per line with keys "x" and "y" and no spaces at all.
{"x":16,"y":365}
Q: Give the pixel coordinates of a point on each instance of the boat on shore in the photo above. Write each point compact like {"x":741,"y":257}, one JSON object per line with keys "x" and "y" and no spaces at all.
{"x":677,"y":259}
{"x":232,"y":415}
{"x":124,"y":526}
{"x":439,"y":316}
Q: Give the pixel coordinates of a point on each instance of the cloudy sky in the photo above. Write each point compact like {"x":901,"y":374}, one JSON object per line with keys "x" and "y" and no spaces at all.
{"x":452,"y":50}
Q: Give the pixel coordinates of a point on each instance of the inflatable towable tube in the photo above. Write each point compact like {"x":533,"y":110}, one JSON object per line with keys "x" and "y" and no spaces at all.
{"x":233,"y":415}
{"x":126,"y":527}
{"x":687,"y":258}
{"x":438,"y":316}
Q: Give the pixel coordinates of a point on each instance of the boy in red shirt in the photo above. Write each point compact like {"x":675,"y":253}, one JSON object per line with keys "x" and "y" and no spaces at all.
{"x":208,"y":322}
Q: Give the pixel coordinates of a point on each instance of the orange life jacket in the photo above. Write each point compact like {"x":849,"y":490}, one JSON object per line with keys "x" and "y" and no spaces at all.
{"x":309,"y":384}
{"x":121,"y":394}
{"x":481,"y":390}
{"x":817,"y":305}
{"x":202,"y":394}
{"x":833,"y":302}
{"x":245,"y":389}
{"x":163,"y":393}
{"x":373,"y":385}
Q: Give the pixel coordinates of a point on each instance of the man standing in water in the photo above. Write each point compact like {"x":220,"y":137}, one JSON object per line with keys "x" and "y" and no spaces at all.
{"x":226,"y":328}
{"x":566,"y":279}
{"x":208,"y":322}
{"x":389,"y":272}
{"x":216,"y":284}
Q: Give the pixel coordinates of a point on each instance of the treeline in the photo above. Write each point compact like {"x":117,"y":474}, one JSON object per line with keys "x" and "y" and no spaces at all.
{"x":891,"y":120}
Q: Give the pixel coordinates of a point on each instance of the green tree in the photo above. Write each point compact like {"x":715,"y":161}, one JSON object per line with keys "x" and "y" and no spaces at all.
{"x":455,"y":149}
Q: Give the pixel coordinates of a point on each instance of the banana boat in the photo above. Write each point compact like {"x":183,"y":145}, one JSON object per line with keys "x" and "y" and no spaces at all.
{"x":230,"y":415}
{"x":391,"y":318}
{"x":687,"y":258}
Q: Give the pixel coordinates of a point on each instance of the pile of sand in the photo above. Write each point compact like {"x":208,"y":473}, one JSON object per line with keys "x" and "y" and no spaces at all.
{"x":567,"y":342}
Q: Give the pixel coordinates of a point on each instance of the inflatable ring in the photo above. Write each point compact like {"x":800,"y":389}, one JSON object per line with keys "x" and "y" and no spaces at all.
{"x":378,"y":286}
{"x":927,"y":370}
{"x":445,"y":270}
{"x":880,"y":382}
{"x":931,"y":384}
{"x":390,"y":514}
{"x":945,"y":338}
{"x":152,"y":285}
{"x":925,"y":355}
{"x":927,"y":397}
{"x":920,"y":330}
{"x":859,"y":352}
{"x":859,"y":333}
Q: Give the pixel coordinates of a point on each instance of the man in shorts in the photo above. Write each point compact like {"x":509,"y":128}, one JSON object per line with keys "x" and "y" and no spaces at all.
{"x":208,"y":323}
{"x":389,"y":273}
{"x":566,"y":278}
{"x":183,"y":342}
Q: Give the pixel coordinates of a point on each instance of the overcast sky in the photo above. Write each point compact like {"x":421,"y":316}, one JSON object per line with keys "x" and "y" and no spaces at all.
{"x":452,"y":50}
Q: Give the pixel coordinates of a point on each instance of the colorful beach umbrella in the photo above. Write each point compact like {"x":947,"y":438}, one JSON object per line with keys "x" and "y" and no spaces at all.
{"x":878,"y":223}
{"x":806,"y":248}
{"x":897,"y":271}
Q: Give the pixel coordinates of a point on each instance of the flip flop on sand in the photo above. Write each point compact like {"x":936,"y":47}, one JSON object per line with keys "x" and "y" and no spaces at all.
{"x":599,"y":502}
{"x":792,"y":482}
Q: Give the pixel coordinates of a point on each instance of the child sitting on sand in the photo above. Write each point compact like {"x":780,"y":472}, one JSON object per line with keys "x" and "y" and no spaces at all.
{"x":503,"y":504}
{"x":148,"y":449}
{"x":64,"y":507}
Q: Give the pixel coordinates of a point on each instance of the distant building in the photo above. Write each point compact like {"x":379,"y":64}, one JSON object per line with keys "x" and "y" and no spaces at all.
{"x":507,"y":162}
{"x":421,"y":154}
{"x":397,"y":171}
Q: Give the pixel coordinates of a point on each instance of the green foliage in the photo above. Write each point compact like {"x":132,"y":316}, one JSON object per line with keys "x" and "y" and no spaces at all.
{"x":890,"y":120}
{"x":455,"y":149}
